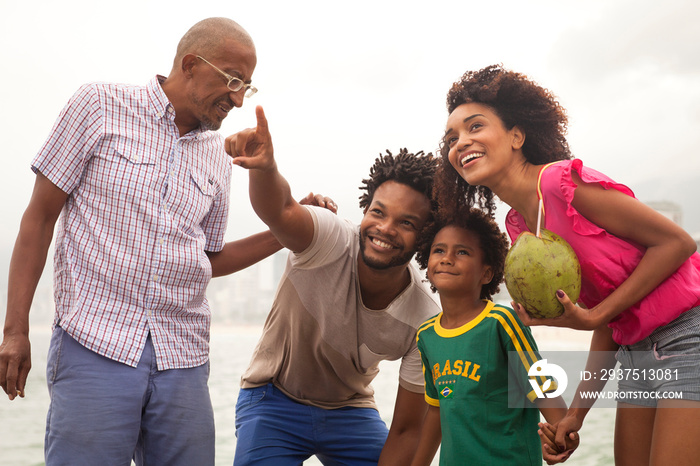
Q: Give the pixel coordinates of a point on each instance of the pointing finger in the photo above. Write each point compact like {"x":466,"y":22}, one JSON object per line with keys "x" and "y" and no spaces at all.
{"x":262,"y":121}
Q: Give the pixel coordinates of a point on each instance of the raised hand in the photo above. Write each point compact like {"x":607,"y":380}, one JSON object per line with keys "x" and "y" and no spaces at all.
{"x":252,"y":147}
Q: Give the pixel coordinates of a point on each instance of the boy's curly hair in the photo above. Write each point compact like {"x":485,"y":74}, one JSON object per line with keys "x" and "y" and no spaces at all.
{"x":492,"y":242}
{"x":516,"y":100}
{"x":414,"y":170}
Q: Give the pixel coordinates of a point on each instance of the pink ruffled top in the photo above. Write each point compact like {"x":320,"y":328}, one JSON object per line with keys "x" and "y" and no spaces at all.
{"x":606,"y":260}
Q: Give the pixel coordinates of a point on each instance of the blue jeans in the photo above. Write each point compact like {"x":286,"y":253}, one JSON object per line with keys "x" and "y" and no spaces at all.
{"x":104,"y":413}
{"x":274,"y":430}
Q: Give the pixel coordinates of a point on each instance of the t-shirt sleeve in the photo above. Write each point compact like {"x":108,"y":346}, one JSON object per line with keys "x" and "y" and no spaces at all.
{"x":522,"y":353}
{"x":431,"y":395}
{"x":411,"y":371}
{"x":71,"y":141}
{"x":415,"y":310}
{"x":332,"y":238}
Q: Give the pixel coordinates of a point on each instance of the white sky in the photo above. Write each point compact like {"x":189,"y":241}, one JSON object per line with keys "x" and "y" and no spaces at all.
{"x":342,"y":82}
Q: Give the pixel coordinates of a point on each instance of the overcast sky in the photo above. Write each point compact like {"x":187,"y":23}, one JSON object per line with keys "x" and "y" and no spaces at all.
{"x":342,"y":82}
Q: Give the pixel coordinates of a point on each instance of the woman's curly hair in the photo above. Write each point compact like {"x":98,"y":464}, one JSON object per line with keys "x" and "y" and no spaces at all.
{"x":516,"y":100}
{"x":414,"y":170}
{"x":492,"y":242}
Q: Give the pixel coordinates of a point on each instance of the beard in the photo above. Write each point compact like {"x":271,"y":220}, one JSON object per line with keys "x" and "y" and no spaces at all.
{"x":209,"y":125}
{"x":205,"y":121}
{"x":382,"y":265}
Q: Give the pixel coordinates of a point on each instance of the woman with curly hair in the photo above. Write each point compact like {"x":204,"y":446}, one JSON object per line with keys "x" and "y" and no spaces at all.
{"x":505,"y":137}
{"x":468,"y":353}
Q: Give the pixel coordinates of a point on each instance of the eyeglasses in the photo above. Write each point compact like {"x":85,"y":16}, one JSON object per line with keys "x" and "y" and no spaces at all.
{"x":234,"y":84}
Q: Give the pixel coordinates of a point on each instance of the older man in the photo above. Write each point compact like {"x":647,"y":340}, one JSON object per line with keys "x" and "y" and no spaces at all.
{"x":141,"y":182}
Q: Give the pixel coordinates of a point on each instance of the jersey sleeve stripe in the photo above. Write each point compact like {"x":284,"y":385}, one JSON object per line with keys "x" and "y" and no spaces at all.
{"x":520,"y":341}
{"x":426,"y":325}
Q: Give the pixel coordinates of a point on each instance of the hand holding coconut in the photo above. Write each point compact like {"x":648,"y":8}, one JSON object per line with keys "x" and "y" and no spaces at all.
{"x":573,"y":316}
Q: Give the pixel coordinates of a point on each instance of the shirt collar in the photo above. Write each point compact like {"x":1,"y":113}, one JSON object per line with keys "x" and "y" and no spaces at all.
{"x":161,"y":105}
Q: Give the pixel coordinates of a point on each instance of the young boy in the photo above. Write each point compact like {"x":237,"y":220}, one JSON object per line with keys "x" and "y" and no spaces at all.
{"x":465,"y":351}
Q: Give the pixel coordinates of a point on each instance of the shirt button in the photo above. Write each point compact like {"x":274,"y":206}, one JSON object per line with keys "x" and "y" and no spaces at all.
{"x":155,"y":278}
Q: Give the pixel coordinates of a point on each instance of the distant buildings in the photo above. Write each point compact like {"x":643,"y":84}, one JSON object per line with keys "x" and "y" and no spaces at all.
{"x":246,"y":297}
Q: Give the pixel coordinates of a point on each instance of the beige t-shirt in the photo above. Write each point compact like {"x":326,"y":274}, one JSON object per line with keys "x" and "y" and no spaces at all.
{"x":320,"y":344}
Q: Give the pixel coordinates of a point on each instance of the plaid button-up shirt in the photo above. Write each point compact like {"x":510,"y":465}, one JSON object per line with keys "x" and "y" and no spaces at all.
{"x":144,"y":204}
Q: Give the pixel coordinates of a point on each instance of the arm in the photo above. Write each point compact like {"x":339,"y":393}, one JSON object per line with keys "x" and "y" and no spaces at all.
{"x":430,"y":438}
{"x":270,"y":194}
{"x":667,"y":247}
{"x":409,"y":413}
{"x":26,"y":265}
{"x":241,"y":254}
{"x":553,"y":410}
{"x":601,"y":356}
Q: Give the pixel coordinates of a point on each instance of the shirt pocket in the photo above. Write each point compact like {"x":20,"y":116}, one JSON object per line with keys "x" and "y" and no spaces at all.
{"x":204,"y":183}
{"x":192,"y":200}
{"x":123,"y":174}
{"x":134,"y":153}
{"x":369,"y":360}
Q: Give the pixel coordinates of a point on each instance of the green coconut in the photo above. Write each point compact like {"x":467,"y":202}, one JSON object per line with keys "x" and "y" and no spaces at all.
{"x":536,"y":268}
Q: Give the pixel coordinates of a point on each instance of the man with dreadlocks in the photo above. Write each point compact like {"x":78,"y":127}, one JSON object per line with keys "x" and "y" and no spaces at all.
{"x":307,"y":390}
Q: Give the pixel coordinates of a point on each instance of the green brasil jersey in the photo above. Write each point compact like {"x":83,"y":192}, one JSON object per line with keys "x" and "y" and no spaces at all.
{"x":467,"y":372}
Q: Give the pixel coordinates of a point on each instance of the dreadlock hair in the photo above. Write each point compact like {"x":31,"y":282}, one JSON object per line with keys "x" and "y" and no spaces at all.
{"x":414,"y":170}
{"x":516,"y":100}
{"x":492,"y":242}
